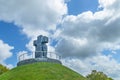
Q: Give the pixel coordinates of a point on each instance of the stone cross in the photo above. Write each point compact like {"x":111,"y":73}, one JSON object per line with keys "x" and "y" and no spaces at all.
{"x":41,"y":47}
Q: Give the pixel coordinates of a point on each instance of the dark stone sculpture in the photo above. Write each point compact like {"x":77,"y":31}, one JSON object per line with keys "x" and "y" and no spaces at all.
{"x":41,"y":47}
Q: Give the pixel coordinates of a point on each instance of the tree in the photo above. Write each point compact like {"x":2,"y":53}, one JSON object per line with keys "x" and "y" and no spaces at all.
{"x":3,"y":69}
{"x":97,"y":76}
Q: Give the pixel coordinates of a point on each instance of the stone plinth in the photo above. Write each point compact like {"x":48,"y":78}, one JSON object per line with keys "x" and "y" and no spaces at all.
{"x":33,"y":60}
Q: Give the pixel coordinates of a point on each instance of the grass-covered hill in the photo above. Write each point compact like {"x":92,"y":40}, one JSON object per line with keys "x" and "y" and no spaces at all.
{"x":41,"y":71}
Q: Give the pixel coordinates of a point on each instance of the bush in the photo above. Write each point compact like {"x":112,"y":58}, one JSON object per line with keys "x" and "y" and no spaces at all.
{"x":97,"y":76}
{"x":3,"y":69}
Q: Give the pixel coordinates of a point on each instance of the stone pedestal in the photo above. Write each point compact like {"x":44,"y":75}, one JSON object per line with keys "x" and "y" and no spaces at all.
{"x":34,"y":60}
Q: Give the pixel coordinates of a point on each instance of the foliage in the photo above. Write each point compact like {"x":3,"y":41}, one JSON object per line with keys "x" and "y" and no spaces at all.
{"x":3,"y":69}
{"x":41,"y":71}
{"x":97,"y":76}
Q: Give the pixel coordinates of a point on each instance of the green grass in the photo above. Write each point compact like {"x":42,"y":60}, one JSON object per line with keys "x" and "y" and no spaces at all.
{"x":41,"y":71}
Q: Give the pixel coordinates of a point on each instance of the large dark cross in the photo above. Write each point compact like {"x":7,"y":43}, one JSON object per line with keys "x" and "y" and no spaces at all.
{"x":41,"y":47}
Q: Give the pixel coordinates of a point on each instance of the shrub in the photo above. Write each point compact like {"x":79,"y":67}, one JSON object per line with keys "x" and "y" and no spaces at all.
{"x":97,"y":76}
{"x":3,"y":69}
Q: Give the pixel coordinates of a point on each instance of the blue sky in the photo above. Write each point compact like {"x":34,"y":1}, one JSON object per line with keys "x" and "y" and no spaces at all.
{"x":11,"y":34}
{"x":76,"y":7}
{"x":81,"y":31}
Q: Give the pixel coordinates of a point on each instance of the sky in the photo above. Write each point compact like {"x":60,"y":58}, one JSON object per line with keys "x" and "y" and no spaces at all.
{"x":84,"y":33}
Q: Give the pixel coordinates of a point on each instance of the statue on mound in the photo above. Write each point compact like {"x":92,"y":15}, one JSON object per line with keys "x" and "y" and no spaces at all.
{"x":41,"y":47}
{"x":40,"y":52}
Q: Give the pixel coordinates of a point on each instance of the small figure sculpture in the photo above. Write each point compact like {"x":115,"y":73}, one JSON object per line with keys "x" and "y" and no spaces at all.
{"x":41,"y":47}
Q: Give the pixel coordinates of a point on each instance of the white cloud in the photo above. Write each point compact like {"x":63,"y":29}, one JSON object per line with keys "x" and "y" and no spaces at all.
{"x":34,"y":17}
{"x":100,"y":63}
{"x":106,"y":3}
{"x":99,"y":30}
{"x":5,"y":51}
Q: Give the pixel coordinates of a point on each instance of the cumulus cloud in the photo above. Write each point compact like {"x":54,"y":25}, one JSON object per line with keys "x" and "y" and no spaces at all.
{"x":106,"y":3}
{"x":34,"y":17}
{"x":99,"y":62}
{"x":90,"y":33}
{"x":5,"y":51}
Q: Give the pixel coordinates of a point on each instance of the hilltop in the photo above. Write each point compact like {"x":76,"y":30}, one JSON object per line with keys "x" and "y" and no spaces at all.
{"x":41,"y":71}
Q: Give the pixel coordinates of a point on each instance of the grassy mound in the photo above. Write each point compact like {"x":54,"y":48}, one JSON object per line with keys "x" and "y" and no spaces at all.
{"x":41,"y":71}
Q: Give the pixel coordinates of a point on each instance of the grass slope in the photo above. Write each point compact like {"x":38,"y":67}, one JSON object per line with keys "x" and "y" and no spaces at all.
{"x":41,"y":71}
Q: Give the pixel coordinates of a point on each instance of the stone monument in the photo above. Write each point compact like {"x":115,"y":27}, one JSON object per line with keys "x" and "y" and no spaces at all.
{"x":40,"y":52}
{"x":41,"y":47}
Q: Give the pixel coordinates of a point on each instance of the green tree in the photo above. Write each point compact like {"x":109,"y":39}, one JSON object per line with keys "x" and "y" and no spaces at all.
{"x":97,"y":76}
{"x":3,"y":69}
